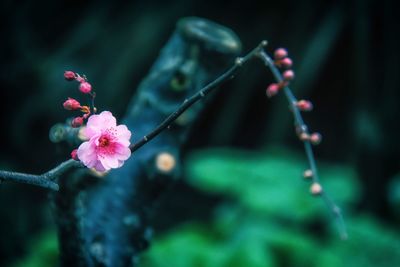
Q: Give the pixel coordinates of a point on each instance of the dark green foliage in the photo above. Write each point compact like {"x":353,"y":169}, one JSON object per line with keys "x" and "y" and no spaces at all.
{"x":43,"y":251}
{"x":270,"y":181}
{"x":268,"y":217}
{"x":253,"y":241}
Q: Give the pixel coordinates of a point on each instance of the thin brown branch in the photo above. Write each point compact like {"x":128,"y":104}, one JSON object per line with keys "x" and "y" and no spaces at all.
{"x":45,"y":180}
{"x":228,"y":75}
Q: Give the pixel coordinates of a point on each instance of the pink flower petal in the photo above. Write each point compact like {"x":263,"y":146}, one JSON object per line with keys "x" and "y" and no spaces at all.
{"x":123,"y":134}
{"x":98,"y":123}
{"x":99,"y":167}
{"x":109,"y":162}
{"x":122,"y":152}
{"x":87,"y":154}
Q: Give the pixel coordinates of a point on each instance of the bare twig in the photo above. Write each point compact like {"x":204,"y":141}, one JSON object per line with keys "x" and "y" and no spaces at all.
{"x":228,"y":75}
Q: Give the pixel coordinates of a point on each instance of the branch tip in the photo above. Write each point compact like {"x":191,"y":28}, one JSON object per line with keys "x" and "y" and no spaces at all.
{"x":263,"y":44}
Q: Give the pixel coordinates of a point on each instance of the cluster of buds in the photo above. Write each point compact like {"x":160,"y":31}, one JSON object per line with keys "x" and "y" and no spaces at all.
{"x":280,"y":67}
{"x":84,"y":86}
{"x":315,"y":188}
{"x":72,"y":104}
{"x":282,"y":61}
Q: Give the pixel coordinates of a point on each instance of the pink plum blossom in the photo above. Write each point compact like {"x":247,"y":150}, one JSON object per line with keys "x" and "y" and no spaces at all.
{"x":108,"y":143}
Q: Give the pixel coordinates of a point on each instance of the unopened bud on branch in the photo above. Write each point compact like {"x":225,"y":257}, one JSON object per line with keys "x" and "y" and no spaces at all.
{"x":69,"y":75}
{"x":304,"y":136}
{"x":272,"y":89}
{"x":316,"y":189}
{"x":286,"y":63}
{"x":307,"y":174}
{"x":315,"y":138}
{"x":77,"y":122}
{"x":74,"y":154}
{"x":71,"y":104}
{"x":288,"y":75}
{"x":85,"y":87}
{"x":280,"y":53}
{"x":304,"y":105}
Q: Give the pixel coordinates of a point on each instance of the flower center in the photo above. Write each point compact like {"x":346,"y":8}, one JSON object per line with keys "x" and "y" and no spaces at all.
{"x":104,"y":141}
{"x":106,"y":145}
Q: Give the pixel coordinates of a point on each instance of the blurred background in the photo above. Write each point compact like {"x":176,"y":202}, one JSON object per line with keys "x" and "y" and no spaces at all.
{"x":243,"y":162}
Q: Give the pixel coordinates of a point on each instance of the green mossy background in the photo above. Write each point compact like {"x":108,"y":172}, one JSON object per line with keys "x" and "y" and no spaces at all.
{"x":266,"y":219}
{"x":243,"y":202}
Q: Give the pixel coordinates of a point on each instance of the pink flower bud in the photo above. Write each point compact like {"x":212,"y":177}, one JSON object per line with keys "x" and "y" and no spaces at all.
{"x":77,"y":122}
{"x":307,"y":174}
{"x":315,"y":138}
{"x":286,"y":62}
{"x":316,"y":189}
{"x":74,"y":154}
{"x":304,"y":105}
{"x":280,"y":53}
{"x":304,"y":136}
{"x":272,"y":89}
{"x":71,"y":104}
{"x":85,"y":87}
{"x":69,"y":75}
{"x":288,"y":75}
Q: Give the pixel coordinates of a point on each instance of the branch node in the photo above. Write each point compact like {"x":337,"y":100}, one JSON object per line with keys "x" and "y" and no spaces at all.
{"x":239,"y":61}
